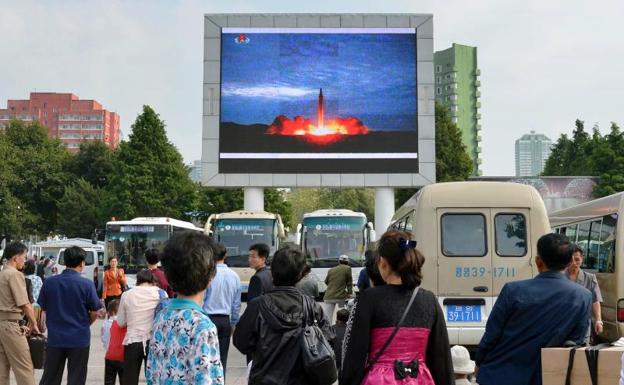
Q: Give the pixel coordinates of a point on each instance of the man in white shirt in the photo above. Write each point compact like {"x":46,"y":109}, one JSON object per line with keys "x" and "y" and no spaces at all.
{"x":223,"y":302}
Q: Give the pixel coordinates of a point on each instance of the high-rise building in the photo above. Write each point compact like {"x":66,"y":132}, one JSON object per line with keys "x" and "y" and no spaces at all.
{"x":66,"y":117}
{"x":457,"y":87}
{"x":195,"y":171}
{"x":532,"y":151}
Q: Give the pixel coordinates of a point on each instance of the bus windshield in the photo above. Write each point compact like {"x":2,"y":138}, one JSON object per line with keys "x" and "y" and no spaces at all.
{"x":128,"y":243}
{"x":238,"y":234}
{"x":327,"y":238}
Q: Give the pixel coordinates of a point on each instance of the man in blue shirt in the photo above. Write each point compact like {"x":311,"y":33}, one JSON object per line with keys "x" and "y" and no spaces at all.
{"x":223,"y":302}
{"x":71,"y":303}
{"x":529,"y":315}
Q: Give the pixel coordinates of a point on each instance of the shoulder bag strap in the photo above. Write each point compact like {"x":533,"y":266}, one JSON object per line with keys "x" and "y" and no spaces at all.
{"x":570,"y":365}
{"x":394,"y":332}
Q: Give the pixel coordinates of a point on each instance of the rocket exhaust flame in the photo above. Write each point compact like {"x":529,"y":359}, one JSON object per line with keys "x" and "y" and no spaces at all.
{"x":323,"y":132}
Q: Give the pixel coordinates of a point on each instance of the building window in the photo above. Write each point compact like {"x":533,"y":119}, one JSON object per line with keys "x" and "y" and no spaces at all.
{"x":439,"y":90}
{"x":44,"y":105}
{"x":438,"y":68}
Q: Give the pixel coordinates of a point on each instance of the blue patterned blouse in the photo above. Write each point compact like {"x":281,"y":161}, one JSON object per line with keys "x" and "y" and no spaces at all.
{"x":184,"y":348}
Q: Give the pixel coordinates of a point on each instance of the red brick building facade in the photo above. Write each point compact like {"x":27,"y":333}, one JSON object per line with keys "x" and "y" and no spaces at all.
{"x":66,"y":117}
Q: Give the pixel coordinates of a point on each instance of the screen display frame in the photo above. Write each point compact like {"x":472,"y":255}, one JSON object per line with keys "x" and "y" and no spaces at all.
{"x":382,"y":175}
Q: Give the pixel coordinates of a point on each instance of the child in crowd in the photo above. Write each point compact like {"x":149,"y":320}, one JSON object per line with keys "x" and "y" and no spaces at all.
{"x":463,"y":366}
{"x":112,"y":339}
{"x":342,"y":316}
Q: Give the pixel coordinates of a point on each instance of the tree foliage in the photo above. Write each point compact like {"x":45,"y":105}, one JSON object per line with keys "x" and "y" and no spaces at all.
{"x":32,"y":179}
{"x":590,"y":155}
{"x":94,"y":163}
{"x":452,"y":160}
{"x":149,"y":177}
{"x":310,"y":199}
{"x":80,"y":208}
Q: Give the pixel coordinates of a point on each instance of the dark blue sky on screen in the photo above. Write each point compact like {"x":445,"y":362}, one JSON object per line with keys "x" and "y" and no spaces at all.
{"x":368,"y":76}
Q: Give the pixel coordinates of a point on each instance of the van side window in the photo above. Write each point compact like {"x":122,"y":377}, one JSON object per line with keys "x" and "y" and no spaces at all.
{"x":511,"y":240}
{"x":463,"y":235}
{"x":89,"y":260}
{"x":606,"y":250}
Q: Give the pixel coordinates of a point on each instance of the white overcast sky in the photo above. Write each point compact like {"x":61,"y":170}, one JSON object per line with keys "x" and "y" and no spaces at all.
{"x":543,"y":63}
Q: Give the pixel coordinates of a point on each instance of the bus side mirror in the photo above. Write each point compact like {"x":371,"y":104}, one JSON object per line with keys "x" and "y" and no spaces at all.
{"x":372,"y":235}
{"x":298,"y":234}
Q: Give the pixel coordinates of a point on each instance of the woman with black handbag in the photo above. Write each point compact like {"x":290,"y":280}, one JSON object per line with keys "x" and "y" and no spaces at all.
{"x":396,"y":332}
{"x":285,"y":331}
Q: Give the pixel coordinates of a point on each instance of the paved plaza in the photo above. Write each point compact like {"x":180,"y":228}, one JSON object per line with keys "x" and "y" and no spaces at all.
{"x":236,"y":371}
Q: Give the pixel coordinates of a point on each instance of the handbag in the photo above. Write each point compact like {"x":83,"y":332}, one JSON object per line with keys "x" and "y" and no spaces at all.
{"x":317,"y":356}
{"x":37,"y":345}
{"x":401,"y":370}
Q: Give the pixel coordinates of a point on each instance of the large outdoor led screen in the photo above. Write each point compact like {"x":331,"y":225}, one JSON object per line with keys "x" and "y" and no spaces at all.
{"x":301,"y":100}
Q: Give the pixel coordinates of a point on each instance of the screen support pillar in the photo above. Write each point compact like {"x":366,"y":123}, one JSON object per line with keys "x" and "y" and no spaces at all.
{"x":254,"y":198}
{"x":384,"y":209}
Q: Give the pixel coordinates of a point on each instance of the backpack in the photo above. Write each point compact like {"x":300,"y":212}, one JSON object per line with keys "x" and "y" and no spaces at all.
{"x":163,"y":300}
{"x":317,"y":356}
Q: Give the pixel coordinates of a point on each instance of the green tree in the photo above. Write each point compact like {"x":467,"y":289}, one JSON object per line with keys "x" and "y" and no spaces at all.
{"x":594,"y":155}
{"x":94,"y":162}
{"x":452,"y":160}
{"x":275,"y":202}
{"x":38,"y":162}
{"x":214,"y":201}
{"x":149,"y":177}
{"x":81,"y":210}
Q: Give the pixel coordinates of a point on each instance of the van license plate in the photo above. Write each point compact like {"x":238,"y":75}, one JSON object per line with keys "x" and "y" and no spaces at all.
{"x":463,"y":313}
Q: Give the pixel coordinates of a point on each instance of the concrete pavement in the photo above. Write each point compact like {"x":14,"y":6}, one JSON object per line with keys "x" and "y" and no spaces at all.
{"x":236,"y":371}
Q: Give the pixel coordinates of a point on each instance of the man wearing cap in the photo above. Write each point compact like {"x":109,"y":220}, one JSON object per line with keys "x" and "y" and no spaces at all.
{"x":339,"y":286}
{"x":14,"y":305}
{"x":463,"y":366}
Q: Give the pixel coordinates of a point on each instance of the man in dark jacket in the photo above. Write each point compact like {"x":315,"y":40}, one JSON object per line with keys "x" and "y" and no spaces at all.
{"x":529,"y":315}
{"x":271,"y":326}
{"x":261,"y":282}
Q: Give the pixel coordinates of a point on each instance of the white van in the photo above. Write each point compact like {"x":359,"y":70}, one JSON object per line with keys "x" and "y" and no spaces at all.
{"x":94,"y":264}
{"x":475,"y":236}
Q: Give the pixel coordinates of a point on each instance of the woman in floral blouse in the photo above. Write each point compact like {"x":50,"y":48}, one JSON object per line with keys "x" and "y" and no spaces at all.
{"x":184,"y":348}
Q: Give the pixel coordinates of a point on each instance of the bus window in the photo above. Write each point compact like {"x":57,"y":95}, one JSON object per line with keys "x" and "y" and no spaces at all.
{"x":582,"y":236}
{"x":510,"y":235}
{"x":606,"y":252}
{"x":463,"y":235}
{"x":570,"y":232}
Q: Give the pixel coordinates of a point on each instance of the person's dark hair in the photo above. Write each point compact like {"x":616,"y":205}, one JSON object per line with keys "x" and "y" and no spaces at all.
{"x":29,"y":267}
{"x":307,"y":268}
{"x":577,"y":249}
{"x":555,"y":250}
{"x":372,"y":270}
{"x":145,"y":276}
{"x":189,"y":262}
{"x":74,"y":256}
{"x":406,"y":261}
{"x":112,"y":307}
{"x":152,"y":256}
{"x":287,"y":267}
{"x":262,"y":249}
{"x":342,"y":315}
{"x":13,"y":249}
{"x":220,"y":251}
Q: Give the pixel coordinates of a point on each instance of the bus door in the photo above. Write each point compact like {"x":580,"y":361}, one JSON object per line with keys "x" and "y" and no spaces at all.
{"x":465,"y":284}
{"x":513,"y":253}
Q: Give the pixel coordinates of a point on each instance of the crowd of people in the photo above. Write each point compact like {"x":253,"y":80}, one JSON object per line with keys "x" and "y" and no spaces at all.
{"x":177,"y":322}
